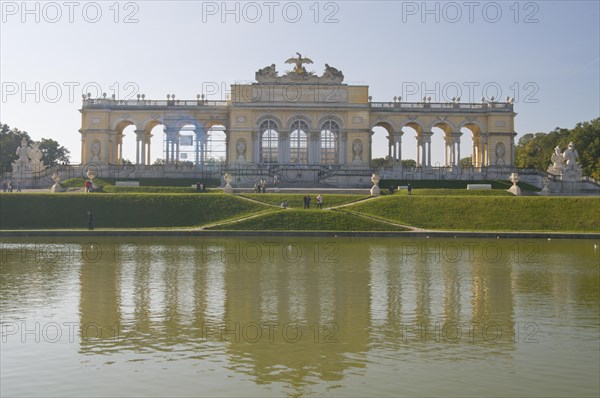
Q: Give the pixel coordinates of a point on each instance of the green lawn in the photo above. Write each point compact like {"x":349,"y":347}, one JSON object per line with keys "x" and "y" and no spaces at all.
{"x":427,"y":209}
{"x":527,"y":213}
{"x":51,"y":210}
{"x":295,"y":200}
{"x":308,"y":220}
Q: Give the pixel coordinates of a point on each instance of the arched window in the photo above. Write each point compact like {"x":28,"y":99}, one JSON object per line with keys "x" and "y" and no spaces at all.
{"x":330,"y":131}
{"x":299,"y":142}
{"x":269,"y":142}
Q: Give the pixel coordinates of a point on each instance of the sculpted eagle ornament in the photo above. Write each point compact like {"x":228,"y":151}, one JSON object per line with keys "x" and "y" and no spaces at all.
{"x":299,"y":61}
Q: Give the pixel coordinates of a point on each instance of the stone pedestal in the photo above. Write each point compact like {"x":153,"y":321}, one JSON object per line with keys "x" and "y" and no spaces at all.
{"x":57,"y":187}
{"x":515,"y":190}
{"x":375,"y":191}
{"x":228,"y":188}
{"x":545,"y":190}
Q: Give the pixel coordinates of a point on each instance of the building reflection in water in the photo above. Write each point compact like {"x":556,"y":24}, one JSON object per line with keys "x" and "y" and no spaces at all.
{"x":293,"y":318}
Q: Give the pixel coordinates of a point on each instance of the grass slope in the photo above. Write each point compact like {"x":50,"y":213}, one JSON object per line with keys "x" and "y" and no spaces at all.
{"x":487,"y":213}
{"x":49,"y":211}
{"x":308,"y":220}
{"x":295,"y":200}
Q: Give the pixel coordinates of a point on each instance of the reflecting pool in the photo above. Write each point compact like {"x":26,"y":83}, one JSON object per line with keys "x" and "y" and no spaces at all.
{"x":299,"y":316}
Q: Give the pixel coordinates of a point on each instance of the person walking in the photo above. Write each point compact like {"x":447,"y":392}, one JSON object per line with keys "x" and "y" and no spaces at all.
{"x":320,"y":202}
{"x":90,"y":220}
{"x":409,"y":189}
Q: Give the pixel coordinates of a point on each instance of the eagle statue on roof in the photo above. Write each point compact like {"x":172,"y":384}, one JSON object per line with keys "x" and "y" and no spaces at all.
{"x":299,"y":69}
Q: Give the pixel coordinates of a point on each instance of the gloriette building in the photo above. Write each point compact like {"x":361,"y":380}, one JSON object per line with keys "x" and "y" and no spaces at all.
{"x":299,"y":126}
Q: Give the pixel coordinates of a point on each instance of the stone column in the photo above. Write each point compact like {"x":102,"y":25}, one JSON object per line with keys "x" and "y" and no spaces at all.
{"x":318,"y":144}
{"x":419,"y":139}
{"x":429,"y":151}
{"x":172,"y":134}
{"x":256,"y":146}
{"x":148,"y":142}
{"x":458,"y":148}
{"x":476,"y":154}
{"x":139,"y":146}
{"x":284,"y":147}
{"x":426,"y":148}
{"x":484,"y":152}
{"x":342,"y":147}
{"x":448,"y":151}
{"x":398,"y":138}
{"x":200,"y":144}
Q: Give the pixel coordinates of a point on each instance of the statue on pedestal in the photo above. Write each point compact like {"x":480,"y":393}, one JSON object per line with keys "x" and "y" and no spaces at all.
{"x":35,"y":154}
{"x":557,"y":162}
{"x":22,"y":164}
{"x":565,"y":164}
{"x":572,"y":169}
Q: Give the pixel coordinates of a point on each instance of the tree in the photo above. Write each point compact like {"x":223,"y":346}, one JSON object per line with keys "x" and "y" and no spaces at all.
{"x":53,"y":153}
{"x":466,"y":163}
{"x":535,"y":150}
{"x":409,"y":164}
{"x":10,"y":140}
{"x":378,"y":162}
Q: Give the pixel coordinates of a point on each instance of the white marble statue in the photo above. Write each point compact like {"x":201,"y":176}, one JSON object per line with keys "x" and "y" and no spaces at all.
{"x":557,"y":162}
{"x":570,"y":156}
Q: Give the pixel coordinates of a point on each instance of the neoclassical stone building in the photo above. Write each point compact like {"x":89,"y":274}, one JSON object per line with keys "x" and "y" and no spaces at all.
{"x":314,"y":127}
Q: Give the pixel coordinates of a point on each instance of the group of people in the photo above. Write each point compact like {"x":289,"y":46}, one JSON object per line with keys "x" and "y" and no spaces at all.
{"x":88,"y":185}
{"x":260,"y":186}
{"x":306,"y":200}
{"x":7,"y":186}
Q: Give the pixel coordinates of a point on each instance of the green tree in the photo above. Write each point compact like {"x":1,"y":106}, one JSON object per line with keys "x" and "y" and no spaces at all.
{"x":466,"y":163}
{"x":409,"y":163}
{"x":53,"y":153}
{"x":10,"y":140}
{"x":378,"y":162}
{"x":535,"y":150}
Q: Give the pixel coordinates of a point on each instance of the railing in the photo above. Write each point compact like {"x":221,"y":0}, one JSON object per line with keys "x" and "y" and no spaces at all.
{"x":105,"y":102}
{"x":442,"y":105}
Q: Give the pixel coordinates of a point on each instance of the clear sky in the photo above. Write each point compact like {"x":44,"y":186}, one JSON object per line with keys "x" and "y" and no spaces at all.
{"x":545,"y":54}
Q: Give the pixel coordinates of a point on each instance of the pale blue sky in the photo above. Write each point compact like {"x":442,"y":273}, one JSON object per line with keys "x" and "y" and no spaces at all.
{"x":544,"y":53}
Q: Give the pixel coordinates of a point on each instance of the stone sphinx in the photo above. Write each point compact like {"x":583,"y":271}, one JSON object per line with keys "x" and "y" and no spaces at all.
{"x":333,"y":73}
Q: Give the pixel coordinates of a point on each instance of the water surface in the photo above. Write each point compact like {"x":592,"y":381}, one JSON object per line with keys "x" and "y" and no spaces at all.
{"x":299,"y":316}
